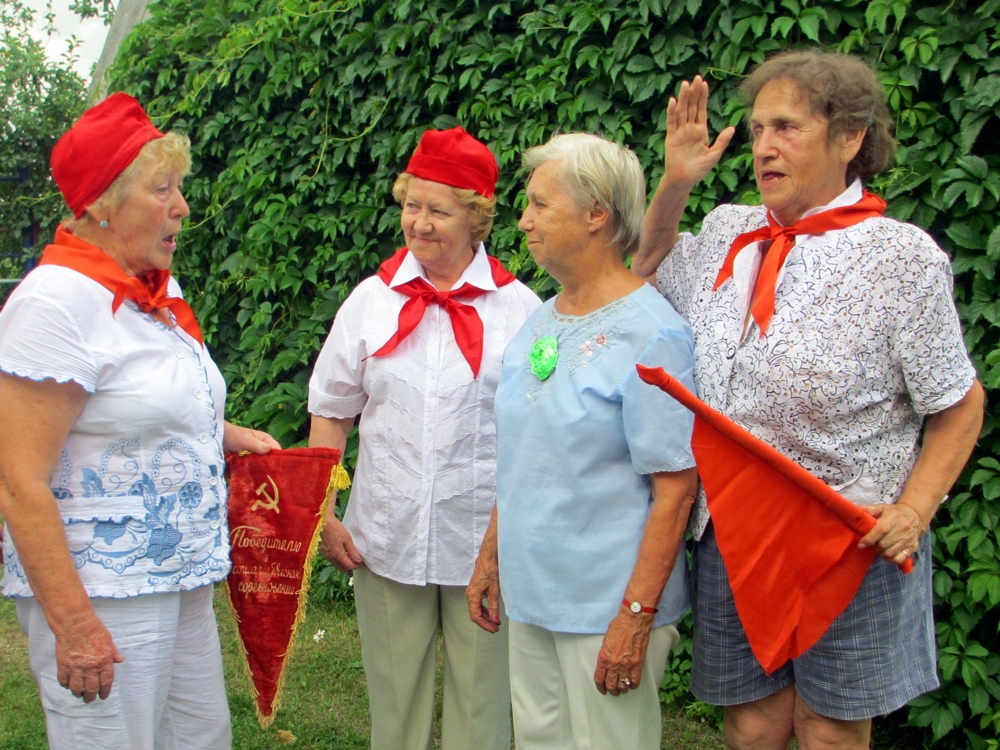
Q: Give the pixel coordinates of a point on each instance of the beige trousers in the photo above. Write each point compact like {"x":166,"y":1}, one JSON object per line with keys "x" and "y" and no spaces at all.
{"x":557,"y":706}
{"x":399,"y":628}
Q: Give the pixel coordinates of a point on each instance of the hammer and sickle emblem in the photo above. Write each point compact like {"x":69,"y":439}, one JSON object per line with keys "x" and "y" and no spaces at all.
{"x":271,"y":503}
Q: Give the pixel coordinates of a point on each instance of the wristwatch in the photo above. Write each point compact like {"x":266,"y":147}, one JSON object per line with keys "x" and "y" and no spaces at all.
{"x":635,"y":607}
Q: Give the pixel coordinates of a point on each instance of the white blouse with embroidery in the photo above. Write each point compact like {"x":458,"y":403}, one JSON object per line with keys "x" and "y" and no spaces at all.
{"x":865,"y":341}
{"x":425,"y":482}
{"x":139,"y":482}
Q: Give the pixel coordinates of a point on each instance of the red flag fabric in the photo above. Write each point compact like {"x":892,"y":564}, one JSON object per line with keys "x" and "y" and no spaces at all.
{"x":782,"y":242}
{"x":148,"y":292}
{"x":276,"y":505}
{"x":465,"y":321}
{"x":789,"y":541}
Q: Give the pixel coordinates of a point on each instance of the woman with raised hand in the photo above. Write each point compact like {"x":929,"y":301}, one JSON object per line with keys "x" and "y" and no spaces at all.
{"x":595,"y":475}
{"x":827,"y":330}
{"x":112,"y":454}
{"x":416,"y":350}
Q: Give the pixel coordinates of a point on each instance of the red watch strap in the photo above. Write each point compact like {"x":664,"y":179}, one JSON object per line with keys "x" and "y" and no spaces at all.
{"x":647,"y":610}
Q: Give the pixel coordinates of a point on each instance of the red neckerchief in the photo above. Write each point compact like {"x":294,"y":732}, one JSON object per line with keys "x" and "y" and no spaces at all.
{"x":465,"y":320}
{"x":149,"y":292}
{"x":782,"y":242}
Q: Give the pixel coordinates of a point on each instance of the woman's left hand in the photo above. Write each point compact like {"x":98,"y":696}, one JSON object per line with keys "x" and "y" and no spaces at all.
{"x":236,"y":439}
{"x":619,"y":664}
{"x":896,"y":533}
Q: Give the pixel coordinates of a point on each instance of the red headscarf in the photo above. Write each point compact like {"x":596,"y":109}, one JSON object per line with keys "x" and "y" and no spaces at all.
{"x":453,"y":157}
{"x":98,"y":148}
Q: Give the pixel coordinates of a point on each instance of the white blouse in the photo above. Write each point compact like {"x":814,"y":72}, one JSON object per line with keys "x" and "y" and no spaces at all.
{"x":139,"y":481}
{"x":425,"y":483}
{"x":865,"y":341}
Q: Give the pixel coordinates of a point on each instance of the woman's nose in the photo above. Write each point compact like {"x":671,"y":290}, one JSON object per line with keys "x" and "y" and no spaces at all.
{"x":182,"y":205}
{"x":524,"y":222}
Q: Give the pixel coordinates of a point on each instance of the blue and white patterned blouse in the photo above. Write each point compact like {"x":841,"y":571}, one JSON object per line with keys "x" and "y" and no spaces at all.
{"x":573,"y":452}
{"x":139,"y":482}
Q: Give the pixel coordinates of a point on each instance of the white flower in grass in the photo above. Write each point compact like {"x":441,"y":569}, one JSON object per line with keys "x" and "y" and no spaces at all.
{"x":319,"y":635}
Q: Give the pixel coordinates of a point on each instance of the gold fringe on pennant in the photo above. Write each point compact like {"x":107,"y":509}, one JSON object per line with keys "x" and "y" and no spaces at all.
{"x":341,"y":479}
{"x":239,"y":642}
{"x":337,"y":477}
{"x":300,"y":612}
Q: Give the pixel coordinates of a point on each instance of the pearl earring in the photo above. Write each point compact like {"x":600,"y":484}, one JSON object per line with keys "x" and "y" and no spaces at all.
{"x":104,"y":225}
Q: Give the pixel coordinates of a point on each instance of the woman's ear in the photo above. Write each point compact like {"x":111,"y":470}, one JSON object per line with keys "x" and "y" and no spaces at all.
{"x":597,"y":218}
{"x":850,"y":144}
{"x":97,"y":214}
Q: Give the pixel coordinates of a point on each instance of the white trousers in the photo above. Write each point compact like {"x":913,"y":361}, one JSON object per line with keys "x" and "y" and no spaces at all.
{"x":557,"y":706}
{"x":168,"y":694}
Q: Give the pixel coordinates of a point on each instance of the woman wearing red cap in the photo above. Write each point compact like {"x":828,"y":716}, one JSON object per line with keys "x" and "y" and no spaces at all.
{"x":113,"y":491}
{"x":416,"y":350}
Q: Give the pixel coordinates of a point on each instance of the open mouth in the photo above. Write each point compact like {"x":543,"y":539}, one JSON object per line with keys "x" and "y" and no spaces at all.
{"x":770,"y":177}
{"x":170,"y":242}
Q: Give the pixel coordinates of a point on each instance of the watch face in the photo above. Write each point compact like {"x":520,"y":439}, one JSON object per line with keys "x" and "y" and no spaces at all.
{"x":635,"y":607}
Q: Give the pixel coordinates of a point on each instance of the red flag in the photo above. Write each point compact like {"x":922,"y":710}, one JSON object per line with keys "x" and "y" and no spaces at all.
{"x":789,"y":541}
{"x":276,"y":505}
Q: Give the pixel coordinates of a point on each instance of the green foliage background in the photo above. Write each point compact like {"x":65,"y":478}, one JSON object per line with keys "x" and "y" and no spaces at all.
{"x":302,"y":113}
{"x":39,"y":100}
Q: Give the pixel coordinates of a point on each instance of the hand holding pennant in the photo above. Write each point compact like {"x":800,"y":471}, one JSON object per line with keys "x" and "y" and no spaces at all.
{"x":277,"y":502}
{"x":789,"y":541}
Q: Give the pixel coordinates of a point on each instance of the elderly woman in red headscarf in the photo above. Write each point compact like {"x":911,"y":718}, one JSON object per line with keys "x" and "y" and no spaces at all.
{"x":416,"y":350}
{"x":113,"y":488}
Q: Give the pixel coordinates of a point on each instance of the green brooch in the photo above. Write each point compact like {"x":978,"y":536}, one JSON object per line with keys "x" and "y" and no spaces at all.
{"x":544,"y":356}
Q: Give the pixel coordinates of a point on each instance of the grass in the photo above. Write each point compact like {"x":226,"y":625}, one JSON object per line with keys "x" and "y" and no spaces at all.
{"x":325,"y":702}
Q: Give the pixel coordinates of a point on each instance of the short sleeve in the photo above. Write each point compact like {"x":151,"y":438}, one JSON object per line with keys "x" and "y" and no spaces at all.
{"x":677,"y":275}
{"x":336,"y":388}
{"x":928,"y":344}
{"x":692,"y":265}
{"x":40,"y":339}
{"x":657,"y":428}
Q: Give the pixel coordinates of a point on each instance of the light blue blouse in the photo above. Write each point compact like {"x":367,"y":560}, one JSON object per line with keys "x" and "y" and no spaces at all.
{"x":572,"y":455}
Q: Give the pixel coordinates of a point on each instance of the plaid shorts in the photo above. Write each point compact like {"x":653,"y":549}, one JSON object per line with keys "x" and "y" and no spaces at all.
{"x":876,"y":656}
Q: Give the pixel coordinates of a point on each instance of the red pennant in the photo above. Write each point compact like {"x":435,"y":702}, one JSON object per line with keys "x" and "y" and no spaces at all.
{"x":276,"y":505}
{"x":789,"y":541}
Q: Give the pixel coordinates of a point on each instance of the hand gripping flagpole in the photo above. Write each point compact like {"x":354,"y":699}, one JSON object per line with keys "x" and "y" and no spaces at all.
{"x":788,"y":539}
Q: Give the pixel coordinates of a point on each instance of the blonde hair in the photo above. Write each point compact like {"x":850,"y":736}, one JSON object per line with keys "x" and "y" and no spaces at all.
{"x":172,"y":151}
{"x":482,"y":210}
{"x":596,"y":170}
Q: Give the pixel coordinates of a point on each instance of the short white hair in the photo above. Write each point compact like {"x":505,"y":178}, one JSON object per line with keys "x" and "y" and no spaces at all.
{"x":596,"y":170}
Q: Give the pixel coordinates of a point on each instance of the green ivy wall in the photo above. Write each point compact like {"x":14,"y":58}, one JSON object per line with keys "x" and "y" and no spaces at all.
{"x":301,"y":115}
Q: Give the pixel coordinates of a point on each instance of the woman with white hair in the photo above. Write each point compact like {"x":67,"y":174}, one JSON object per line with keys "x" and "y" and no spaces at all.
{"x":592,"y":495}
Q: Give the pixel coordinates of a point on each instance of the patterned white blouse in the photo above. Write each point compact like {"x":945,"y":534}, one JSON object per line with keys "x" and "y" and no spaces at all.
{"x":140,"y":481}
{"x":865,"y":341}
{"x":425,"y":483}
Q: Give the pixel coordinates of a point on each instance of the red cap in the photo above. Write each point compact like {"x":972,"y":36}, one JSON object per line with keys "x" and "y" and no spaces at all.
{"x":453,"y":157}
{"x":98,"y":148}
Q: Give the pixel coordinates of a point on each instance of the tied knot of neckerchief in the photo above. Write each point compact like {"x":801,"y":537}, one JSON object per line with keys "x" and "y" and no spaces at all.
{"x":465,"y":321}
{"x":148,"y":292}
{"x":783,"y":240}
